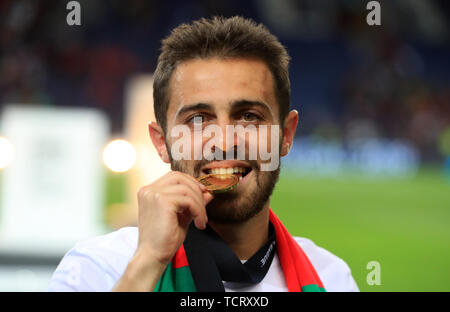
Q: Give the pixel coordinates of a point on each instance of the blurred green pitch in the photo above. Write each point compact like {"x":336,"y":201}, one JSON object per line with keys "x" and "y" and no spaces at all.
{"x":403,"y":223}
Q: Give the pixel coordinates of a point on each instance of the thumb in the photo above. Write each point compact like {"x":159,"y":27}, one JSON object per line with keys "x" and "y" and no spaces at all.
{"x":207,"y":197}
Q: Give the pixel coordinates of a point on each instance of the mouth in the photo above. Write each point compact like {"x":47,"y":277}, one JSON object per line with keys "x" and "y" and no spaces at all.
{"x":239,"y":170}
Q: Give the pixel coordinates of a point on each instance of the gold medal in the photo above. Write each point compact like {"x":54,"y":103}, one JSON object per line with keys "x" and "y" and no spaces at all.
{"x":219,"y":183}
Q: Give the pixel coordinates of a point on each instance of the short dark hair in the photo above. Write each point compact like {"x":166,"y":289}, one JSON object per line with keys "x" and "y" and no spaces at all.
{"x":234,"y":37}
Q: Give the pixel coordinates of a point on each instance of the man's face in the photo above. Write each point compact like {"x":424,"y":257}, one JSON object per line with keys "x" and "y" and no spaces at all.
{"x":224,"y":92}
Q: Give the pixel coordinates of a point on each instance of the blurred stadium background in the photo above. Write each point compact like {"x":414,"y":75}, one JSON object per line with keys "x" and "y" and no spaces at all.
{"x":368,"y":177}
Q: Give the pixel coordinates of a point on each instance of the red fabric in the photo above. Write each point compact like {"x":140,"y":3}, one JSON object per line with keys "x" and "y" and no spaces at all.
{"x":180,"y":259}
{"x":296,"y":266}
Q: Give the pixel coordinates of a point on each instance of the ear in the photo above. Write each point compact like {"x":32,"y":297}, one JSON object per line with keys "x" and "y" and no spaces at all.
{"x":290,"y":125}
{"x":157,"y":136}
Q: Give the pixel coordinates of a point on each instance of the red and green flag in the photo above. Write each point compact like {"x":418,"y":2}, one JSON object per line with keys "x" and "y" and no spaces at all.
{"x":298,"y":271}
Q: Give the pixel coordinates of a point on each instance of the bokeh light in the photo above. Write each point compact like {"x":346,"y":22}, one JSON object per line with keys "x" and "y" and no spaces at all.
{"x":119,"y":156}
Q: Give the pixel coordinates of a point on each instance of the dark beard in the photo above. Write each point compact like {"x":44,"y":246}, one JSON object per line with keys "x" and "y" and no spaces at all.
{"x":235,"y":207}
{"x":232,"y":207}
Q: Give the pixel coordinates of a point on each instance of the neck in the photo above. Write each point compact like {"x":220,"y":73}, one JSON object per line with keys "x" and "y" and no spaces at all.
{"x":246,"y":238}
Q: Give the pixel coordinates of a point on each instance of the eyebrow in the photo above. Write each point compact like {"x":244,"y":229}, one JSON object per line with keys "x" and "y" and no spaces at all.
{"x":235,"y":105}
{"x":194,"y":107}
{"x":247,"y":103}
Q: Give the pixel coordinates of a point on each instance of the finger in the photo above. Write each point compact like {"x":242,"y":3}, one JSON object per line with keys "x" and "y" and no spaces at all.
{"x":174,"y":178}
{"x":177,"y":177}
{"x":184,"y":190}
{"x":183,"y":178}
{"x":187,"y":203}
{"x":195,"y":181}
{"x":207,"y":196}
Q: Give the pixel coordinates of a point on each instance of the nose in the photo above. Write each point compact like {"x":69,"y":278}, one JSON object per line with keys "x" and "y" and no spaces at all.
{"x":227,"y":142}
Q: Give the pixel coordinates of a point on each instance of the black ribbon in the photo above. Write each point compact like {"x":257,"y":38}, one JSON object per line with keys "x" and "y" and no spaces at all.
{"x":212,"y":261}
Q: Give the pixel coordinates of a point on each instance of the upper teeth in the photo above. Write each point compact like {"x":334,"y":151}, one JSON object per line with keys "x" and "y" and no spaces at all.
{"x":227,"y":170}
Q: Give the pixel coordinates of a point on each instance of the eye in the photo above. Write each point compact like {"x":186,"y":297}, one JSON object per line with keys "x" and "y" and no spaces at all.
{"x":196,"y":119}
{"x":248,"y":116}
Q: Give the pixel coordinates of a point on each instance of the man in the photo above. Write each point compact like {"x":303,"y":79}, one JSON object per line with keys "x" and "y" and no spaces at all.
{"x":214,"y":72}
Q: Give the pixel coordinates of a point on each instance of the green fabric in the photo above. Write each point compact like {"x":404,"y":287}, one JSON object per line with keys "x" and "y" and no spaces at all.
{"x":180,"y":280}
{"x":312,"y":288}
{"x":174,"y":280}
